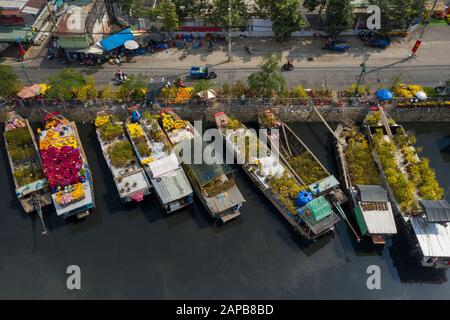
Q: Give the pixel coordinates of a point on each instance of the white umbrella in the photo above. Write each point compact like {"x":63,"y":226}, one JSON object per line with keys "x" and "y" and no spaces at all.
{"x":131,"y":45}
{"x":207,"y":94}
{"x":421,"y":95}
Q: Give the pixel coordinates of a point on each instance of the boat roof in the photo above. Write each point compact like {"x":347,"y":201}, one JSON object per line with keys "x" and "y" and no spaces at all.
{"x":226,"y":200}
{"x":172,"y":186}
{"x":31,"y":187}
{"x":327,"y":183}
{"x":380,"y":221}
{"x":372,"y":193}
{"x":433,"y":238}
{"x":436,"y":210}
{"x":85,"y":202}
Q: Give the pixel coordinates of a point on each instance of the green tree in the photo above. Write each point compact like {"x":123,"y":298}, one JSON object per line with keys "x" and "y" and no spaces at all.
{"x":135,"y":87}
{"x":269,"y":81}
{"x":65,"y":84}
{"x":168,"y":11}
{"x":219,"y":13}
{"x":201,"y":85}
{"x":286,"y":18}
{"x":191,"y":8}
{"x":339,"y":15}
{"x":312,"y":5}
{"x":9,"y":84}
{"x":398,"y":13}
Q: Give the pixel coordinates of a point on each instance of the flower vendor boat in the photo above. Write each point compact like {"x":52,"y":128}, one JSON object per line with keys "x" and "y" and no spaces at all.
{"x":310,"y":217}
{"x":301,"y":161}
{"x":214,"y":183}
{"x":26,"y":166}
{"x":360,"y":178}
{"x":66,"y":168}
{"x":129,"y":177}
{"x":153,"y":150}
{"x":414,"y":192}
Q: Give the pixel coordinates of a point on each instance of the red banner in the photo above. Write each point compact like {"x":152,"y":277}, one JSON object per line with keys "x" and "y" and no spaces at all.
{"x":416,"y":46}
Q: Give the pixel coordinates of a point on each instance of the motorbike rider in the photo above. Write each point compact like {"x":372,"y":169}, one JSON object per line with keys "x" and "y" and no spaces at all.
{"x":120,"y":75}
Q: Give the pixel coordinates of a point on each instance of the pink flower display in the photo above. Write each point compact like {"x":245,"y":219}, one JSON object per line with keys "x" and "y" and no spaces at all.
{"x":62,"y":166}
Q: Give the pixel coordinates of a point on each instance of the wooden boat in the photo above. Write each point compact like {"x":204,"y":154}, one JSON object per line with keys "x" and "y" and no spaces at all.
{"x":159,"y":161}
{"x":23,"y":157}
{"x":310,"y":220}
{"x":213,"y":183}
{"x":418,"y":204}
{"x":129,"y":177}
{"x":360,"y":178}
{"x":66,"y":168}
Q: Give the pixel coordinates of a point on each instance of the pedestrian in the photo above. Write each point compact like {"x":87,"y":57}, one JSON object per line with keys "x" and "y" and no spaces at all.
{"x":243,"y":99}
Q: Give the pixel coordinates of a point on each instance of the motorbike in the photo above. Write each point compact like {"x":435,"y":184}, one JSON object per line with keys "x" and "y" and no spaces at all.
{"x":51,"y":53}
{"x":119,"y":81}
{"x":249,"y":50}
{"x":210,"y":47}
{"x":288,"y":67}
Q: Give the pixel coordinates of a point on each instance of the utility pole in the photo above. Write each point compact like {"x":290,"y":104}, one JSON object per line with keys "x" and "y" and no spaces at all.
{"x":26,"y":75}
{"x":50,"y":11}
{"x":425,"y":24}
{"x":229,"y":30}
{"x":363,"y":70}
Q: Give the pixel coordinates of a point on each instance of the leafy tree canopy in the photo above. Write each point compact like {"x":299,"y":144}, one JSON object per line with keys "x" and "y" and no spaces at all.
{"x":9,"y":84}
{"x":65,"y":84}
{"x":168,"y":11}
{"x":398,"y":13}
{"x":239,"y":13}
{"x":269,"y":81}
{"x":339,"y":15}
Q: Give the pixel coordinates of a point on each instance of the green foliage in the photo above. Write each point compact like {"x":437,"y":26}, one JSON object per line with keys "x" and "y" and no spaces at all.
{"x":307,"y":168}
{"x":360,"y":164}
{"x":201,"y":85}
{"x":21,"y":154}
{"x":297,"y":92}
{"x":430,"y":91}
{"x":168,"y":11}
{"x":397,"y":13}
{"x":143,"y":148}
{"x":111,"y":131}
{"x":18,"y":138}
{"x":27,"y":174}
{"x":286,"y":18}
{"x":135,"y":87}
{"x":312,"y":5}
{"x":65,"y":84}
{"x":120,"y":153}
{"x":339,"y":15}
{"x":191,"y":8}
{"x":88,"y":91}
{"x":269,"y":81}
{"x":219,"y":13}
{"x":9,"y":84}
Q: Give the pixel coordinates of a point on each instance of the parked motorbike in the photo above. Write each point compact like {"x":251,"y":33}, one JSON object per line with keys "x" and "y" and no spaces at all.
{"x":249,"y":50}
{"x":288,"y":66}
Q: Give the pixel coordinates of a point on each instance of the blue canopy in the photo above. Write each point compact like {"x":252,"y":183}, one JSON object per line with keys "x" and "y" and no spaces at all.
{"x":384,"y":94}
{"x":116,"y":40}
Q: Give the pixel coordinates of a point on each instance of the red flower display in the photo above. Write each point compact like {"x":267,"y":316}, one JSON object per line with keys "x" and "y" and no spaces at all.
{"x":62,"y":166}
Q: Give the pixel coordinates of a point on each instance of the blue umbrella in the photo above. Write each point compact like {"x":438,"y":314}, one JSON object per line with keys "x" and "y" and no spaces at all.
{"x":384,"y":94}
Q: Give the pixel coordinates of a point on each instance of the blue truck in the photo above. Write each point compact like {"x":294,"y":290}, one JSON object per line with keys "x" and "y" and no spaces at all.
{"x":202,"y":73}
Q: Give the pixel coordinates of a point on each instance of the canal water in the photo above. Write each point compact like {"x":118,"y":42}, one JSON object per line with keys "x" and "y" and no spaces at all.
{"x":137,"y":251}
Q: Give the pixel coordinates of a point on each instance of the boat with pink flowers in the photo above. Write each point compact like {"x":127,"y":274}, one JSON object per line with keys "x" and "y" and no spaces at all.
{"x":26,"y":166}
{"x":66,"y":168}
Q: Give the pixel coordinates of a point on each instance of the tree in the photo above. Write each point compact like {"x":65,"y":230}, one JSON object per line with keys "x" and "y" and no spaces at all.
{"x":239,"y":13}
{"x":339,"y":16}
{"x":201,"y":85}
{"x":312,"y":5}
{"x":398,"y":13}
{"x":191,"y":8}
{"x":135,"y":87}
{"x":269,"y":81}
{"x":168,"y":11}
{"x":9,"y":84}
{"x":286,"y":18}
{"x":65,"y":84}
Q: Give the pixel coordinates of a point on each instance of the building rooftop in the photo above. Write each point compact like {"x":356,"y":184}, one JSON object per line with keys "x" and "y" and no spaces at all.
{"x":21,"y":6}
{"x":74,"y":20}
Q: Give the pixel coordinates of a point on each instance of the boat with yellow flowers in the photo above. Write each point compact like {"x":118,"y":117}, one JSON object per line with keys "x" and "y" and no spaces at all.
{"x":26,"y":165}
{"x":309,"y":217}
{"x":128,"y":174}
{"x":155,"y":154}
{"x":213,"y":183}
{"x":66,"y":168}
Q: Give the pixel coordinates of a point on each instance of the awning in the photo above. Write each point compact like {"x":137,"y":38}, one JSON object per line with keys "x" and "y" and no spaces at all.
{"x":30,"y":92}
{"x":164,"y":166}
{"x":436,"y":210}
{"x":117,"y":40}
{"x":372,"y":193}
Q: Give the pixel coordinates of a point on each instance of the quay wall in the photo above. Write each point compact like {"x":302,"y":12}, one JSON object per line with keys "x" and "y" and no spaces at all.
{"x":245,"y":113}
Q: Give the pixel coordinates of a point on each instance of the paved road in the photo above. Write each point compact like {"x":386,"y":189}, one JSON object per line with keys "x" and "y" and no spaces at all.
{"x":335,"y":77}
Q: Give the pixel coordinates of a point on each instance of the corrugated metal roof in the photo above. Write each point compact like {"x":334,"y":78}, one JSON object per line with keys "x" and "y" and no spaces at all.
{"x":436,"y":210}
{"x":14,"y":34}
{"x":173,"y":186}
{"x":323,"y":185}
{"x":320,"y":208}
{"x":433,"y":238}
{"x":380,"y":221}
{"x":372,"y":193}
{"x":226,"y":200}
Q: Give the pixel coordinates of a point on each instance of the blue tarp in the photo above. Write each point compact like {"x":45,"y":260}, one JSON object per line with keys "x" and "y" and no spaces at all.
{"x":384,"y":94}
{"x":117,"y":40}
